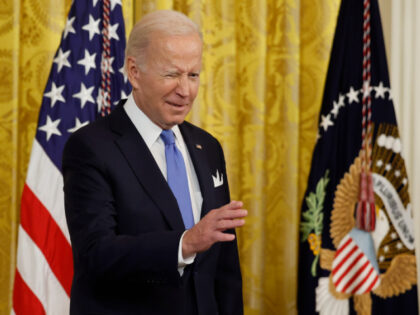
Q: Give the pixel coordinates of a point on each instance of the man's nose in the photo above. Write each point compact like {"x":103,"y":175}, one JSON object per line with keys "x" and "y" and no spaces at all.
{"x":183,"y":88}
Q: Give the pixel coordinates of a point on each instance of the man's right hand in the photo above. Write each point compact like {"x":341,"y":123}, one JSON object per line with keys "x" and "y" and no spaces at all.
{"x":210,"y":228}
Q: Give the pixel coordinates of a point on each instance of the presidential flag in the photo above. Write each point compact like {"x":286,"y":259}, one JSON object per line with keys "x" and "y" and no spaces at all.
{"x":86,"y":81}
{"x":357,"y":235}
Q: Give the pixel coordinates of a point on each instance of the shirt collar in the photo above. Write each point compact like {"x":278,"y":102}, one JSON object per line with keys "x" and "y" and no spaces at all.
{"x":149,"y":131}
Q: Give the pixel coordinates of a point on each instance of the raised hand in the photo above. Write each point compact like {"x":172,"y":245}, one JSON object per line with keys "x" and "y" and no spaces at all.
{"x":210,"y":229}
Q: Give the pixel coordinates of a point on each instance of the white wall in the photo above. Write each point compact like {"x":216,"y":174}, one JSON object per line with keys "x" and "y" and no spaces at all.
{"x":402,"y":42}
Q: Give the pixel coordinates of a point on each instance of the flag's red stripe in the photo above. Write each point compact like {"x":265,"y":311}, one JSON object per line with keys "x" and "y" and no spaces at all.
{"x":47,"y":235}
{"x":355,"y":261}
{"x":372,"y":285}
{"x":363,"y":281}
{"x":359,"y":271}
{"x":24,"y":300}
{"x":345,"y":259}
{"x":343,"y":247}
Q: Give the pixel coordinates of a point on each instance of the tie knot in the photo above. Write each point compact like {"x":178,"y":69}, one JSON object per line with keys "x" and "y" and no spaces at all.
{"x":167,"y":137}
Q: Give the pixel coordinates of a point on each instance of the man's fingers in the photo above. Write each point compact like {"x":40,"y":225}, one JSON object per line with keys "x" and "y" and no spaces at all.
{"x":210,"y":229}
{"x":225,"y":237}
{"x":232,"y":205}
{"x":231,"y":214}
{"x":223,"y":225}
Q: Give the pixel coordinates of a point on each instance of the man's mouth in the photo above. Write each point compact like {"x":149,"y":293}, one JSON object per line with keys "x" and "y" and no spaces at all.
{"x":176,"y":104}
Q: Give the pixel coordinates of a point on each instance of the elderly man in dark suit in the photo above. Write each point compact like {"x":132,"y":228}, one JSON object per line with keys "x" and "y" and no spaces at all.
{"x":146,"y":193}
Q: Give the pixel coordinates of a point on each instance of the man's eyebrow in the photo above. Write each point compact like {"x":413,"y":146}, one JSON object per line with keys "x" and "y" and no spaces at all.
{"x":175,"y":70}
{"x":170,"y":70}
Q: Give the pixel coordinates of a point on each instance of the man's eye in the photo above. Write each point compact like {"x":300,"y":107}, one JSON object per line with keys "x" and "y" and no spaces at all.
{"x":195,"y":75}
{"x":171,"y":75}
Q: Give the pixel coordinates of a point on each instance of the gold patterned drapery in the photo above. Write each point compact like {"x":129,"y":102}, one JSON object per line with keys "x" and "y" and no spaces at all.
{"x":264,"y":68}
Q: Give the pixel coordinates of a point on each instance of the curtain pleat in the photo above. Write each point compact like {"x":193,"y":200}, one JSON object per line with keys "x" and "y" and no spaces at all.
{"x":264,"y":68}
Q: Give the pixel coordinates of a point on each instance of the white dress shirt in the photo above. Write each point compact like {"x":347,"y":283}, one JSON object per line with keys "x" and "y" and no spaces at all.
{"x":150,"y":132}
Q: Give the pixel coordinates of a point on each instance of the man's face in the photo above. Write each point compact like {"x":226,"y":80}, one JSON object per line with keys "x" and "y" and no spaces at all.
{"x":168,"y":83}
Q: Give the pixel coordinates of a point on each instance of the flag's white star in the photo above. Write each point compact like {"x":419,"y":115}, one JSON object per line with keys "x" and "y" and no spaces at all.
{"x":380,"y":90}
{"x":55,"y":94}
{"x":50,"y":128}
{"x":105,"y":65}
{"x":122,"y":71}
{"x":85,"y":95}
{"x":113,"y":32}
{"x":326,"y":122}
{"x":405,"y":181}
{"x":366,"y":89}
{"x":397,"y":173}
{"x":95,"y":2}
{"x":88,"y":61}
{"x":122,"y":97}
{"x":335,"y":109}
{"x":114,"y":3}
{"x":352,"y":95}
{"x":78,"y":125}
{"x":69,"y":27}
{"x":92,"y":27}
{"x":341,"y":99}
{"x":379,"y":163}
{"x":388,"y":167}
{"x":61,"y":59}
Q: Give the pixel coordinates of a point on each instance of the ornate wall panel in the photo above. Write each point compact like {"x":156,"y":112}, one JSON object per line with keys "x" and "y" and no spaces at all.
{"x":262,"y":80}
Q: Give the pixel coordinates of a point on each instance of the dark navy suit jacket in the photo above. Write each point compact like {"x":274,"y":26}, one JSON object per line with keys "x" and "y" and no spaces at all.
{"x":125,"y":226}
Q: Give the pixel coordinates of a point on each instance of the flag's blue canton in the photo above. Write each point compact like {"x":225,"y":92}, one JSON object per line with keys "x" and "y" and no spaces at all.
{"x":72,"y":96}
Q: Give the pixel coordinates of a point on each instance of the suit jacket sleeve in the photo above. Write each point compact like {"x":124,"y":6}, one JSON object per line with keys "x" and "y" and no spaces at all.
{"x":92,"y":217}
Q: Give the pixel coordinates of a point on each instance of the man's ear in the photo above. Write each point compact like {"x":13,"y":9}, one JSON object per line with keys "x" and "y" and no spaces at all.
{"x":133,"y":72}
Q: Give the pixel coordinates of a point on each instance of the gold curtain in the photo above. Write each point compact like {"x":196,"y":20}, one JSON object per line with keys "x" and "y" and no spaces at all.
{"x":264,"y":69}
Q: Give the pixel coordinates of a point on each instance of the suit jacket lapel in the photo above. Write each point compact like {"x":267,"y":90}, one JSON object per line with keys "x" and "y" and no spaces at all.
{"x":145,"y":168}
{"x":201,"y":166}
{"x":199,"y":156}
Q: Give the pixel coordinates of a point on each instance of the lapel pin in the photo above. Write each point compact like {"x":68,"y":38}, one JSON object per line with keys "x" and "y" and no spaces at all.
{"x":198,"y":146}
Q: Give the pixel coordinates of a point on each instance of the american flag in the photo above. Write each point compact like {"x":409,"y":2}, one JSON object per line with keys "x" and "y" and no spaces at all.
{"x":86,"y":80}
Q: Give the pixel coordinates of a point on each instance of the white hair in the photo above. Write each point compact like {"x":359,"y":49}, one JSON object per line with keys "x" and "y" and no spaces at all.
{"x":163,"y":22}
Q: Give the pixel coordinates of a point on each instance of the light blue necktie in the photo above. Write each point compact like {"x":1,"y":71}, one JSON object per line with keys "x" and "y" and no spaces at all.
{"x":177,"y":177}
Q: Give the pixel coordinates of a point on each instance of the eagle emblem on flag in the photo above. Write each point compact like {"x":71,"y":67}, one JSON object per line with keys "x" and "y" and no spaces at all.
{"x":356,"y":269}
